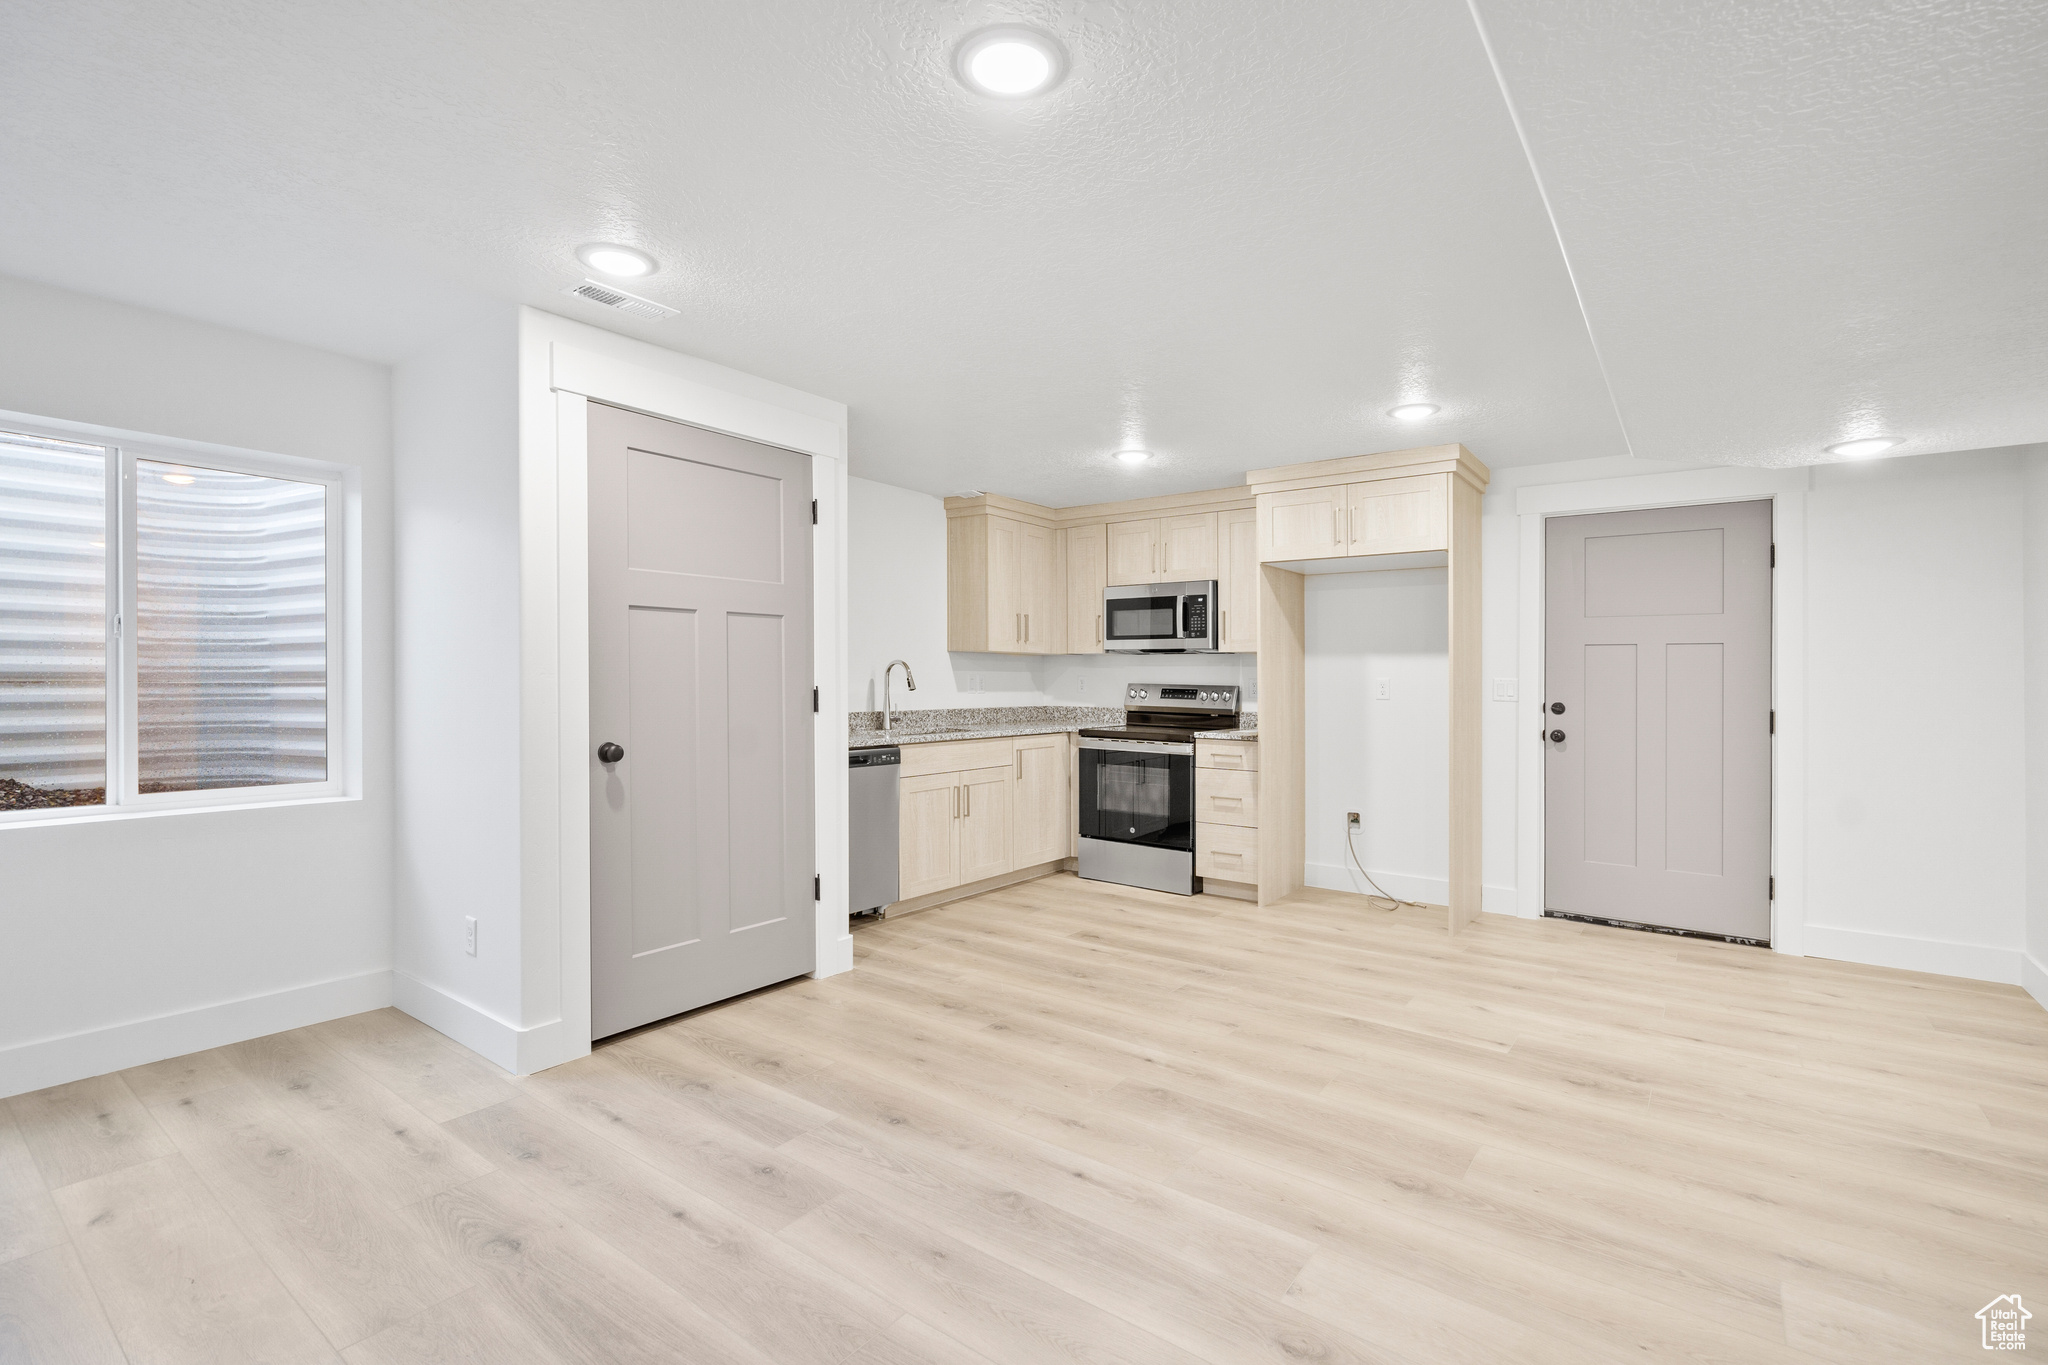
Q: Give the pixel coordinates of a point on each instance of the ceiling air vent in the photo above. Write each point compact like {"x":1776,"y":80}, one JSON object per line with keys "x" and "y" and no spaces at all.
{"x":620,"y":299}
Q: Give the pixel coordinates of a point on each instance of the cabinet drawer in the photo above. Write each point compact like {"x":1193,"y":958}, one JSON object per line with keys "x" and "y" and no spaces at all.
{"x":1227,"y":852}
{"x":1218,"y":753}
{"x":956,"y":756}
{"x":1227,"y":796}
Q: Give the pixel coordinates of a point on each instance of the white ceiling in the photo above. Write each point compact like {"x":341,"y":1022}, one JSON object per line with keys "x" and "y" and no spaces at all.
{"x":1236,"y":234}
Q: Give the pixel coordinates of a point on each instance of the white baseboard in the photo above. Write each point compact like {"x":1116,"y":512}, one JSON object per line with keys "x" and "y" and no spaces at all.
{"x":1494,"y":900}
{"x":1976,"y":961}
{"x":2034,"y":977}
{"x":54,"y":1061}
{"x":521,"y":1051}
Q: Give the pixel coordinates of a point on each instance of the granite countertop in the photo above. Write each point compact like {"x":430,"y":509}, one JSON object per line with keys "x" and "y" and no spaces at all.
{"x":864,"y":728}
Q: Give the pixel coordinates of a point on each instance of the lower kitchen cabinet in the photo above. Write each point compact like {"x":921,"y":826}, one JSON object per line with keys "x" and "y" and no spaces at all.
{"x":1041,"y":808}
{"x":981,"y":819}
{"x":930,"y":833}
{"x":984,"y":823}
{"x":1227,"y":810}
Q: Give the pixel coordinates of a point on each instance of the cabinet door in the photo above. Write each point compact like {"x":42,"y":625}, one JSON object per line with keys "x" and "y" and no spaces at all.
{"x":1400,"y":516}
{"x":1005,"y":586}
{"x":1086,"y":570}
{"x":984,"y":823}
{"x":1133,"y":552}
{"x":1187,"y":548}
{"x":1303,"y":523}
{"x":1237,"y":538}
{"x":1044,"y":613}
{"x":930,"y":836}
{"x":1040,"y":820}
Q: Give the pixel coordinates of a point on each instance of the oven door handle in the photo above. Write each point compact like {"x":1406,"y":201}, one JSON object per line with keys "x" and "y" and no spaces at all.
{"x":1137,"y":746}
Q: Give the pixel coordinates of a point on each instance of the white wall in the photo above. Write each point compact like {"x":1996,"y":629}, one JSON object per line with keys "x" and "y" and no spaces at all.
{"x":132,"y":938}
{"x":1916,"y":769}
{"x":2034,"y":965}
{"x":1389,"y":759}
{"x":896,"y":609}
{"x":456,"y":416}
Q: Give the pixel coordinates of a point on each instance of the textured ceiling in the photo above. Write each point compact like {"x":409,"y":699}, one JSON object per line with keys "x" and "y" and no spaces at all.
{"x":1234,"y":234}
{"x":1798,"y":221}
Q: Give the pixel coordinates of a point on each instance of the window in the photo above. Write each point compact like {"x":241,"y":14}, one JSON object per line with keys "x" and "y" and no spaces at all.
{"x":165,"y":627}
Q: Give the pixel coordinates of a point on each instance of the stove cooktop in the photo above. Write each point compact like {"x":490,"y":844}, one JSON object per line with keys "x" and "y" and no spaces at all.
{"x":1182,"y":730}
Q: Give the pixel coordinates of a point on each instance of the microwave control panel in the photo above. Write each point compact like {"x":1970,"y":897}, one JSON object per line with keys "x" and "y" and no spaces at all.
{"x":1194,"y":616}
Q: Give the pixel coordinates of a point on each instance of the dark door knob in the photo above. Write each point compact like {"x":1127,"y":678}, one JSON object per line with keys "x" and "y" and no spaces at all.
{"x":1557,"y":708}
{"x":1557,"y":736}
{"x":609,"y":752}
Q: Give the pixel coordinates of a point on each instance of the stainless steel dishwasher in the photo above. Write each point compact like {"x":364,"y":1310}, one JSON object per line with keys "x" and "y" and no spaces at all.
{"x":873,"y":867}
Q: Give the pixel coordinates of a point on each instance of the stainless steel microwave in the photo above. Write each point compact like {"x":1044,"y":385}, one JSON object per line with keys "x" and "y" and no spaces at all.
{"x":1160,"y":618}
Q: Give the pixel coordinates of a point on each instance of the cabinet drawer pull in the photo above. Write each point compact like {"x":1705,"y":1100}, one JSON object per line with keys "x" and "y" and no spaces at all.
{"x":1237,"y":800}
{"x":1098,"y":627}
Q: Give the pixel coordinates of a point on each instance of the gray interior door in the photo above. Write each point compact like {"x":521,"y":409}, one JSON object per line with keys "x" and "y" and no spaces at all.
{"x":701,"y":852}
{"x":1657,"y":782}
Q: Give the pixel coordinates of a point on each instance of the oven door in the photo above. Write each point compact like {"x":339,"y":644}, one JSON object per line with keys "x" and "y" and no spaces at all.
{"x":1138,"y":792}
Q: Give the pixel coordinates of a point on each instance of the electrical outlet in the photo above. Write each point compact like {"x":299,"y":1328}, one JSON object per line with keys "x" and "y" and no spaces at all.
{"x":974,"y":682}
{"x":1081,"y":685}
{"x":1382,"y":689}
{"x":469,"y":934}
{"x":1351,"y":819}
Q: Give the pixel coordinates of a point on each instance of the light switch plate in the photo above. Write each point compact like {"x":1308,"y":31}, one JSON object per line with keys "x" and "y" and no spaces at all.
{"x":1504,"y":689}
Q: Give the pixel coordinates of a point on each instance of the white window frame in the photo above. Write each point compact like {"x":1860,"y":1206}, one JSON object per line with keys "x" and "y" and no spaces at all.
{"x":122,"y":771}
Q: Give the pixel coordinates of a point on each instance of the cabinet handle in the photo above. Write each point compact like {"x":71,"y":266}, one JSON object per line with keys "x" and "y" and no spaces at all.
{"x":1098,"y":627}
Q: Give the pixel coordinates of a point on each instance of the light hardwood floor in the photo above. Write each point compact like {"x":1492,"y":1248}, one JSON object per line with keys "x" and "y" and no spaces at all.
{"x":1068,"y":1123}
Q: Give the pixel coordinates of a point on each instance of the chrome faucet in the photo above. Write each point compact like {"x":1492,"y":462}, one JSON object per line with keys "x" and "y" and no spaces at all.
{"x":888,"y":716}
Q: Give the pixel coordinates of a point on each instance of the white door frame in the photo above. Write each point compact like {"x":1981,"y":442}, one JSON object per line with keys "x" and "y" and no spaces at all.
{"x":555,"y":620}
{"x":1787,"y":489}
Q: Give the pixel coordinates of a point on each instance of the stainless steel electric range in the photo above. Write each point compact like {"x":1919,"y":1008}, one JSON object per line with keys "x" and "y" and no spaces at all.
{"x":1138,"y":785}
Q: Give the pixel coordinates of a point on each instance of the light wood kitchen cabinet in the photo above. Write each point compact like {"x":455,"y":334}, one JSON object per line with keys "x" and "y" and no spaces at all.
{"x":1227,"y":810}
{"x":1133,"y":552}
{"x":930,"y":817}
{"x":1237,"y":542}
{"x":1302,"y":523}
{"x":1004,"y":590}
{"x":984,"y":823}
{"x":978,"y":808}
{"x":1377,"y":517}
{"x":1178,"y":549}
{"x":1087,"y":576}
{"x":1400,"y":516}
{"x":1041,"y":809}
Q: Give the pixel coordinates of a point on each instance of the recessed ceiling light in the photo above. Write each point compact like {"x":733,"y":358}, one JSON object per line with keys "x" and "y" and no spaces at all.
{"x":1863,"y":447}
{"x":1134,"y":456}
{"x":620,"y":262}
{"x":1010,"y":62}
{"x":1413,"y":412}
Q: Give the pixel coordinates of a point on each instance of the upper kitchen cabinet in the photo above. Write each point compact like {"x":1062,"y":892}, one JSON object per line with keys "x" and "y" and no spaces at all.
{"x":1396,"y":503}
{"x":1176,"y":549}
{"x":1005,"y":580}
{"x":1237,"y":544}
{"x":1087,"y":576}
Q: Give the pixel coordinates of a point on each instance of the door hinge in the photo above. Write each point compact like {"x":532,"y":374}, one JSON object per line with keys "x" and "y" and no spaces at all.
{"x":1774,"y":722}
{"x":1774,"y":551}
{"x":814,"y":701}
{"x":1774,"y":888}
{"x":814,"y":520}
{"x":817,"y":886}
